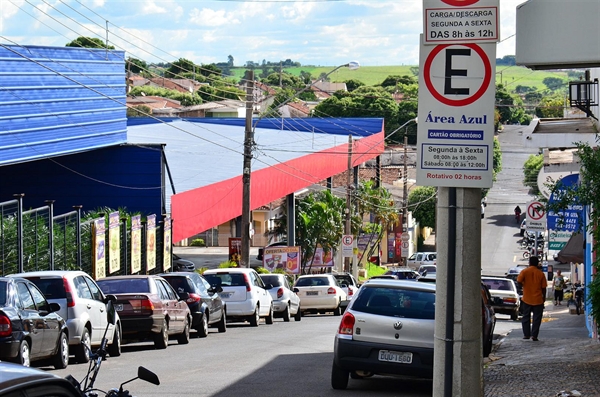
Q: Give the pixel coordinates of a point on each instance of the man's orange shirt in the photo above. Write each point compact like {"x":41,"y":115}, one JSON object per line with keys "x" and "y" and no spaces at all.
{"x":533,"y":281}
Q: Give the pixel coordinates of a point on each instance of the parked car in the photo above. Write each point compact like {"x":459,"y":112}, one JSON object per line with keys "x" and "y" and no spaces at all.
{"x":403,"y":273}
{"x":182,"y":265}
{"x":203,"y":300}
{"x":523,"y":228}
{"x":384,"y":276}
{"x":285,"y":301}
{"x":17,"y":381}
{"x":261,"y":251}
{"x":421,"y":258}
{"x":516,"y":269}
{"x":246,"y":296}
{"x":320,"y":293}
{"x":387,"y":329}
{"x":505,"y":298}
{"x":488,"y":320}
{"x":427,"y":271}
{"x":30,"y":328}
{"x":348,"y":284}
{"x":149,"y":308}
{"x":82,"y":305}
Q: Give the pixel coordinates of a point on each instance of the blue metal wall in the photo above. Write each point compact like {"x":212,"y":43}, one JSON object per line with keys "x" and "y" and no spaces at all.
{"x":126,"y":176}
{"x":59,"y":100}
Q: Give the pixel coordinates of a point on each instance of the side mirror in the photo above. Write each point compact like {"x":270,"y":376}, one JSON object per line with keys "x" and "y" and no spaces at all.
{"x":344,"y":285}
{"x":148,"y":376}
{"x":215,"y":290}
{"x":111,"y":298}
{"x":110,"y":312}
{"x":54,"y":307}
{"x":296,"y":290}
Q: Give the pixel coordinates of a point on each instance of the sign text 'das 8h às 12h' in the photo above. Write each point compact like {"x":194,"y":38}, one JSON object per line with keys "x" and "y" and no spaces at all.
{"x":456,"y":115}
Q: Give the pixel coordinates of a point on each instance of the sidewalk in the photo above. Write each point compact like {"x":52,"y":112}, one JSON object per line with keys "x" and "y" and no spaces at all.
{"x":564,"y":359}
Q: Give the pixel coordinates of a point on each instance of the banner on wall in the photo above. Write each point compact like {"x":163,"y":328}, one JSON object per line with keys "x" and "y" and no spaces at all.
{"x":167,"y":244}
{"x":151,"y":242}
{"x":282,"y":258}
{"x":321,"y":259}
{"x":114,"y":241}
{"x":235,"y":249}
{"x":99,"y":259}
{"x":136,"y":244}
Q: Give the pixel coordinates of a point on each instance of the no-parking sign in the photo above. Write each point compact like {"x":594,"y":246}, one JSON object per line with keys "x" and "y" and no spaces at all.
{"x":536,"y":216}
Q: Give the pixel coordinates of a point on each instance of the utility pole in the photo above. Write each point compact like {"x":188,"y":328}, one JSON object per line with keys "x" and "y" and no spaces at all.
{"x":247,"y":170}
{"x":405,"y":193}
{"x":348,"y":229}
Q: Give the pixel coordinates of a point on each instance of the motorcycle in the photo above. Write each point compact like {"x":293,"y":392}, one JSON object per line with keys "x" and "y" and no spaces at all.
{"x":96,"y":358}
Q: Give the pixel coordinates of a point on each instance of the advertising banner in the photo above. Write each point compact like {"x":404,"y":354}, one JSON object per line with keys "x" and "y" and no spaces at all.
{"x":114,"y":243}
{"x":136,"y":244}
{"x":167,"y":244}
{"x":282,"y":258}
{"x":235,"y":249}
{"x":99,"y":259}
{"x":321,"y":259}
{"x":151,"y":242}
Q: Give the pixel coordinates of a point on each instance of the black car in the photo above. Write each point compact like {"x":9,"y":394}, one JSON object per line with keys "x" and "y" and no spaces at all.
{"x":30,"y":327}
{"x":403,"y":273}
{"x":182,"y":265}
{"x":17,"y":380}
{"x":204,"y":301}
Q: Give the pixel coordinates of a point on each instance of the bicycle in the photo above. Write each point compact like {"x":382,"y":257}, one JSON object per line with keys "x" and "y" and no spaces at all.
{"x":579,"y":292}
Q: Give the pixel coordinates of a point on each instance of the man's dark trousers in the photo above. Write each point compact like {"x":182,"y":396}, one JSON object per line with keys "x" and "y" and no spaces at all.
{"x":531,"y":329}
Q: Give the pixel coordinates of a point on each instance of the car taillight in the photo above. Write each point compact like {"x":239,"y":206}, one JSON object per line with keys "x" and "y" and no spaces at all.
{"x":247,"y":280}
{"x":347,"y":324}
{"x":510,"y":300}
{"x":193,"y":298}
{"x":5,"y":326}
{"x":68,"y":293}
{"x":331,"y":291}
{"x":279,"y":293}
{"x":350,"y":291}
{"x":141,"y":306}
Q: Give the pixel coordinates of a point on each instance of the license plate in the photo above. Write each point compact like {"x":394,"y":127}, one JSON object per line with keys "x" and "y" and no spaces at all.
{"x":395,"y":357}
{"x":225,"y":295}
{"x":312,"y":292}
{"x":118,"y":307}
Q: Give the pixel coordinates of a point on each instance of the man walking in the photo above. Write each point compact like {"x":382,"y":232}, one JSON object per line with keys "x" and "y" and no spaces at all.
{"x":534,"y":285}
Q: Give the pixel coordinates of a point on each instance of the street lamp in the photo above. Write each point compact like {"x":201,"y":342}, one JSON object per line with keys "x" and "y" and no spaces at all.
{"x":405,"y":183}
{"x":249,"y":145}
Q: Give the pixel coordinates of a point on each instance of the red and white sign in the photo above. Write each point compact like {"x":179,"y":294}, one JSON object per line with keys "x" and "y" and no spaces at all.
{"x":348,"y":244}
{"x":404,"y":251}
{"x":536,"y":216}
{"x":456,"y":21}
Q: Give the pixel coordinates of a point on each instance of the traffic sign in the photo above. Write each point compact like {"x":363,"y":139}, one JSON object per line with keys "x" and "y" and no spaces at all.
{"x":536,"y":216}
{"x":348,"y":243}
{"x":461,"y":21}
{"x":404,"y":249}
{"x":405,"y":237}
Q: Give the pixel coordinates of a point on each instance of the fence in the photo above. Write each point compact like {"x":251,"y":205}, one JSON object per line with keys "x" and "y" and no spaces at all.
{"x":26,"y":244}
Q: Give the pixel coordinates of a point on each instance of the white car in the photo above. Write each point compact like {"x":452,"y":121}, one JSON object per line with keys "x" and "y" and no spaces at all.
{"x":348,"y":284}
{"x":320,"y":293}
{"x":505,"y":298}
{"x":244,"y":293}
{"x":285,"y":301}
{"x":82,"y":305}
{"x":421,"y":258}
{"x":428,"y":271}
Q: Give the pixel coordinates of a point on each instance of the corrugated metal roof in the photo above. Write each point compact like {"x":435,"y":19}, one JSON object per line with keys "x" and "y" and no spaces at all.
{"x":59,"y":100}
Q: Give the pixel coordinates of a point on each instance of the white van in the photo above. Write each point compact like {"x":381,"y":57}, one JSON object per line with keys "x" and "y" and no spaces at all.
{"x":419,"y":259}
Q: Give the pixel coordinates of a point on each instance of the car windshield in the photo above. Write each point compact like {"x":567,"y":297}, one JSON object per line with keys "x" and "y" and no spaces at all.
{"x":52,"y":288}
{"x":395,"y":302}
{"x":344,"y":279}
{"x":226,"y":279}
{"x":312,"y":281}
{"x":3,"y":294}
{"x":124,"y":285}
{"x":496,"y":284}
{"x":275,"y":281}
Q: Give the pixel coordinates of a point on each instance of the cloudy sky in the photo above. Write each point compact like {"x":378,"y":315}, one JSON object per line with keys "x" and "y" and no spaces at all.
{"x":312,"y":32}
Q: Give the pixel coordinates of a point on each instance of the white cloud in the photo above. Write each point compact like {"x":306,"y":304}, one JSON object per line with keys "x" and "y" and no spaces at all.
{"x":210,"y":17}
{"x":150,"y":7}
{"x":297,"y":11}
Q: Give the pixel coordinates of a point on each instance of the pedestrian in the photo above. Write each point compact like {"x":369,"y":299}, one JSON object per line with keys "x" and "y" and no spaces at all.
{"x":558,"y":285}
{"x":534,"y":285}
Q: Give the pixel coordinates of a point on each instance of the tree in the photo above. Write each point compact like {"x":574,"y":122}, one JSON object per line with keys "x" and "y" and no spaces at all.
{"x":531,"y":169}
{"x":510,"y":107}
{"x":550,"y":106}
{"x":230,"y":61}
{"x":497,"y":158}
{"x":139,"y":111}
{"x":88,"y":42}
{"x":553,"y":83}
{"x":186,"y":99}
{"x":393,"y":81}
{"x":422,"y":202}
{"x":136,"y":66}
{"x":179,"y":68}
{"x":353,"y":84}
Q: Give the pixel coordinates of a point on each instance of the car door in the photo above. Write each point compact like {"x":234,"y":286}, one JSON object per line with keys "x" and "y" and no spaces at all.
{"x":33,"y":324}
{"x":171,"y":306}
{"x":50,"y":320}
{"x":294,"y":299}
{"x":98,"y":298}
{"x":264,"y":297}
{"x":212,"y":299}
{"x":96,"y":312}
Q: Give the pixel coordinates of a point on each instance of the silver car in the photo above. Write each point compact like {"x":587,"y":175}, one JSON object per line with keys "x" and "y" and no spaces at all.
{"x":82,"y":305}
{"x":387,"y":329}
{"x":285,"y":301}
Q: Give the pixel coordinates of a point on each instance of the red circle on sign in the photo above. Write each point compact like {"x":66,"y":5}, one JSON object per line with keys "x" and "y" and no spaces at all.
{"x":533,"y":211}
{"x":460,"y":3}
{"x":460,"y":102}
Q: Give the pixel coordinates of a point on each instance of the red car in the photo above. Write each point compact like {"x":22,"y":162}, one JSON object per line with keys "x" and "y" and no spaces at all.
{"x":149,"y":308}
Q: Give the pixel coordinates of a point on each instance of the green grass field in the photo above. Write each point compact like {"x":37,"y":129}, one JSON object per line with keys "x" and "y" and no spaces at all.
{"x":510,"y":76}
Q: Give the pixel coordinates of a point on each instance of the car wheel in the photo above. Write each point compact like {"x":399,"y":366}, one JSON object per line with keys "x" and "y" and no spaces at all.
{"x":298,"y":315}
{"x":203,"y":328}
{"x":222,"y":325}
{"x":339,"y":377}
{"x":184,"y":337}
{"x":338,"y":310}
{"x":487,"y":345}
{"x":255,"y":318}
{"x":114,"y":349}
{"x":269,"y":318}
{"x":286,"y":314}
{"x":82,"y":351}
{"x":161,"y":340}
{"x":514,"y":315}
{"x":23,"y":357}
{"x":61,"y":359}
